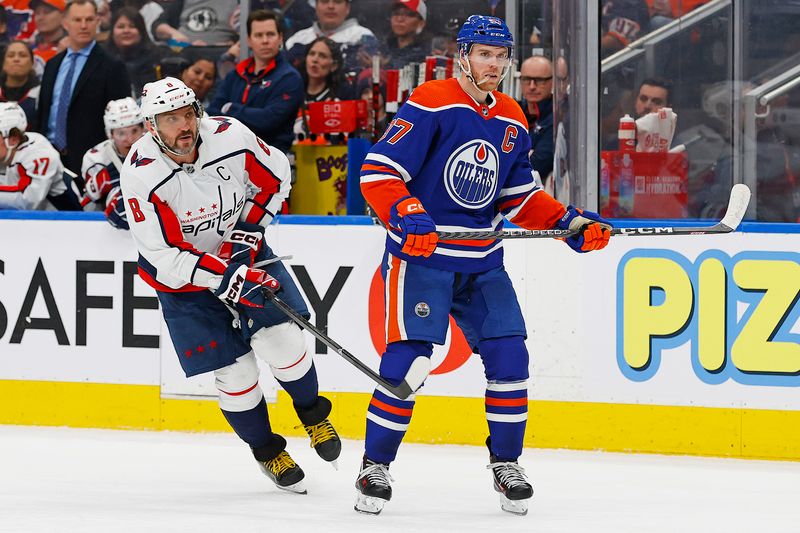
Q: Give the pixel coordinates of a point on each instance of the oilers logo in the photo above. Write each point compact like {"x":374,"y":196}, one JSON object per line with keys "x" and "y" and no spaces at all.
{"x":470,"y":175}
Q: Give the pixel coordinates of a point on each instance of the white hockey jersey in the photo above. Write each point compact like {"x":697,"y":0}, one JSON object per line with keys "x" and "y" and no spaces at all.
{"x":180,"y":215}
{"x":34,"y":173}
{"x":102,"y":158}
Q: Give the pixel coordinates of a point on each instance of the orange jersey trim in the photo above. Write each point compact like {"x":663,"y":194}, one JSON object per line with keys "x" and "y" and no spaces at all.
{"x":542,"y":211}
{"x":444,"y":93}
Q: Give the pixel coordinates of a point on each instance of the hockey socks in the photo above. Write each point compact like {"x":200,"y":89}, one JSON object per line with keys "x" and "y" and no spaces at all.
{"x":387,"y":422}
{"x":507,"y":414}
{"x":251,"y":425}
{"x":305,"y":390}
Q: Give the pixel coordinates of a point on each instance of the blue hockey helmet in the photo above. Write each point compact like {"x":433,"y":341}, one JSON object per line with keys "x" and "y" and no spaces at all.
{"x":483,"y":29}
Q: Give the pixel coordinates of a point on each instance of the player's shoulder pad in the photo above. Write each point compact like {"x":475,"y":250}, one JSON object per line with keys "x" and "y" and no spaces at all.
{"x":510,"y":109}
{"x":35,"y":147}
{"x":217,"y":125}
{"x":97,"y":153}
{"x":437,"y":94}
{"x":144,"y":160}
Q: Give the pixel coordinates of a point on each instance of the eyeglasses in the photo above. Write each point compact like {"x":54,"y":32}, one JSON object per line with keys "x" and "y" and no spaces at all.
{"x":539,"y":81}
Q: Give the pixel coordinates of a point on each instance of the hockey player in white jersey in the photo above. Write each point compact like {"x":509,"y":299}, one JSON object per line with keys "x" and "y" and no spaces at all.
{"x":102,"y":163}
{"x":198,"y":194}
{"x":32,"y":175}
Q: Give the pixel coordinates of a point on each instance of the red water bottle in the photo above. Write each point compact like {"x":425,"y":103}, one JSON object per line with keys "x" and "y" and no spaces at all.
{"x":627,"y":134}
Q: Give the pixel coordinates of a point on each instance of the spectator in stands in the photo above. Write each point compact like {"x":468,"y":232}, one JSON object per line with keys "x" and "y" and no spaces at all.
{"x":536,"y":79}
{"x":297,"y":15}
{"x":48,"y":15}
{"x":76,"y":86}
{"x":148,"y":9}
{"x":322,"y":70}
{"x":200,"y":75}
{"x":18,"y":81}
{"x":777,"y":167}
{"x":444,"y":42}
{"x":623,"y":21}
{"x":322,"y":78}
{"x":130,"y":43}
{"x":358,"y":44}
{"x":104,"y":16}
{"x":662,"y":12}
{"x":653,"y":94}
{"x":408,"y":42}
{"x":265,"y":91}
{"x":198,"y":22}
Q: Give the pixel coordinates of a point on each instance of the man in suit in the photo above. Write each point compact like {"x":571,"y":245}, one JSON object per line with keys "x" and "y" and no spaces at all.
{"x":76,"y":86}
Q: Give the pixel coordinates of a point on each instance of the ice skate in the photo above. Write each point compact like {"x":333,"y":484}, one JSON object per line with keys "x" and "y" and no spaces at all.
{"x":373,"y":486}
{"x":324,"y":438}
{"x":284,"y":472}
{"x":325,"y":441}
{"x":510,"y":482}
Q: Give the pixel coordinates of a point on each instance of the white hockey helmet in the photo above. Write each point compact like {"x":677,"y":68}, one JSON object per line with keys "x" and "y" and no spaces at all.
{"x":165,"y":95}
{"x":12,"y":116}
{"x":121,"y":114}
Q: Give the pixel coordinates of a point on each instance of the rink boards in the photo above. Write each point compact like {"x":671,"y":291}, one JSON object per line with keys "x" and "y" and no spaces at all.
{"x":684,"y":345}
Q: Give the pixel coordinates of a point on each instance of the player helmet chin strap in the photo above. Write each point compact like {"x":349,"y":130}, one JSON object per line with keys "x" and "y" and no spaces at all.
{"x":9,"y":150}
{"x":463,"y":56}
{"x":198,"y":110}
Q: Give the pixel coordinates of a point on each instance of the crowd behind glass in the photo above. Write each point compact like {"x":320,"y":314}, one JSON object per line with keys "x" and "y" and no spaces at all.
{"x":325,"y":50}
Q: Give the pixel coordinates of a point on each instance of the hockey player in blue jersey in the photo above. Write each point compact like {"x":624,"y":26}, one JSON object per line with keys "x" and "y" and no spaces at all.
{"x":455,"y":158}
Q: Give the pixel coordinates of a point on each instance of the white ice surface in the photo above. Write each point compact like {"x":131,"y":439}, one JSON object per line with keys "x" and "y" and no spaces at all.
{"x":65,"y":480}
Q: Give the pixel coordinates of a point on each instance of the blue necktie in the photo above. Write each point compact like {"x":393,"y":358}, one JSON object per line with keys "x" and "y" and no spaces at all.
{"x":64,"y":98}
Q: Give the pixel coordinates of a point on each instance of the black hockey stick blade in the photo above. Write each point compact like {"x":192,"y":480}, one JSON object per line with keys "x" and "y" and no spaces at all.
{"x":402,"y":391}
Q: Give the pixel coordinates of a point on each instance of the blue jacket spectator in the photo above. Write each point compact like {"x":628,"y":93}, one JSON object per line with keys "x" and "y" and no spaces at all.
{"x":264,"y":91}
{"x":536,"y":79}
{"x":540,"y":124}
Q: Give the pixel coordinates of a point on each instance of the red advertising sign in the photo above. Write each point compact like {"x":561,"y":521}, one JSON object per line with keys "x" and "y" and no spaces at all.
{"x":345,"y":116}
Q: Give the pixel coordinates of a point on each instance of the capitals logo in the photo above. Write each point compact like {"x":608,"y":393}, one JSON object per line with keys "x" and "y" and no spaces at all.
{"x":223,"y":125}
{"x":470,"y":175}
{"x":140,"y":161}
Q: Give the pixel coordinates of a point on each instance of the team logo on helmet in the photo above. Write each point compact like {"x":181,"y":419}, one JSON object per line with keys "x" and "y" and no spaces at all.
{"x":470,"y":175}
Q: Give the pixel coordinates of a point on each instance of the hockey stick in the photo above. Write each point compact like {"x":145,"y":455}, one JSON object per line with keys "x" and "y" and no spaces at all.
{"x":402,"y":391}
{"x":737,"y":206}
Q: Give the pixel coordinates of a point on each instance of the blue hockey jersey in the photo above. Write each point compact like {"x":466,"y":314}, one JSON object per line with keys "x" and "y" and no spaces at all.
{"x":468,"y":165}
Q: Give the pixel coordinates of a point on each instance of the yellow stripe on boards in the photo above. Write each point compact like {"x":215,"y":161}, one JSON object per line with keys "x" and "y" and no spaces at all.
{"x":746,"y":433}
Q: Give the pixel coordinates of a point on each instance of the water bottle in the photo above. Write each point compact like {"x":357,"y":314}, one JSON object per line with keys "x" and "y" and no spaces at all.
{"x":627,"y":134}
{"x":626,"y":183}
{"x":605,"y":188}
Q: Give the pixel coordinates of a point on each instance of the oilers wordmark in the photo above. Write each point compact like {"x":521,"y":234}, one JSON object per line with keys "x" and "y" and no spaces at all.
{"x":471,"y":174}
